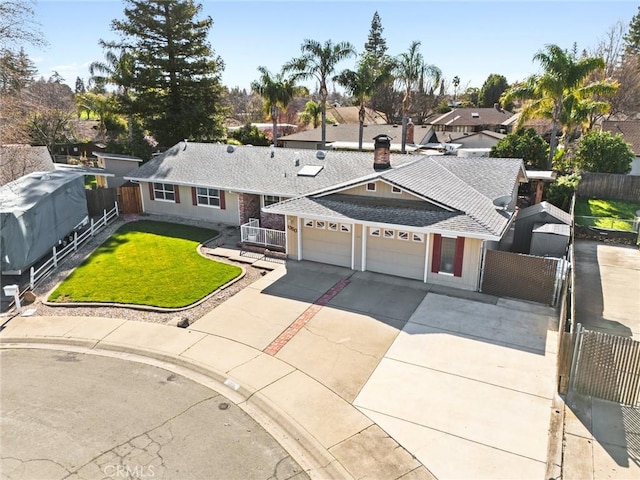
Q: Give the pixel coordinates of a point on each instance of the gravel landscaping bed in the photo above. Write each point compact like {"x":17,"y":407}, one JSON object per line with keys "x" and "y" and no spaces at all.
{"x":43,"y":290}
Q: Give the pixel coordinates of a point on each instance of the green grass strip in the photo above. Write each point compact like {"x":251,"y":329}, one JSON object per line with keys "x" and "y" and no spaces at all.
{"x":147,"y":263}
{"x":610,"y":213}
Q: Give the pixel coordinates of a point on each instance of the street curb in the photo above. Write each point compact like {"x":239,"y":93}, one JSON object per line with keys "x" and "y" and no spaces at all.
{"x":556,"y":439}
{"x":312,"y":457}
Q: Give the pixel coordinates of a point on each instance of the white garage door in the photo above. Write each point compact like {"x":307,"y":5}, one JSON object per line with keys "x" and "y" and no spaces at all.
{"x":326,"y":242}
{"x":395,"y":252}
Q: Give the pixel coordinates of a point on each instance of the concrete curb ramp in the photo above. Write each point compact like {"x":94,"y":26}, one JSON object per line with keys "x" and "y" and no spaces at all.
{"x":325,"y":434}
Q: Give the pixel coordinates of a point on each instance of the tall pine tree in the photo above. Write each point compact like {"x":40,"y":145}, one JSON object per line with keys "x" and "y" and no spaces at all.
{"x":632,"y":37}
{"x":177,"y":86}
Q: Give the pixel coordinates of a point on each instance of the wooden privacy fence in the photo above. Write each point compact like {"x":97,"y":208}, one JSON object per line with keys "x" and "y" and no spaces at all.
{"x":606,"y":366}
{"x":129,"y":199}
{"x":609,"y":185}
{"x":100,"y":199}
{"x":527,"y":277}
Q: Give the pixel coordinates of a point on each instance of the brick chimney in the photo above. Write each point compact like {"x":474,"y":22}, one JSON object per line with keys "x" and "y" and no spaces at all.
{"x":408,"y":137}
{"x":381,"y":152}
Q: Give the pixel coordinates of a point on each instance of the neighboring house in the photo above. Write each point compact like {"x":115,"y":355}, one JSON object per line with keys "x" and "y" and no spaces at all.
{"x":352,"y":115}
{"x":630,"y":131}
{"x":471,"y":120}
{"x":229,"y":184}
{"x":19,"y":160}
{"x":483,"y":139}
{"x":345,"y":137}
{"x":430,"y":219}
{"x":117,"y":165}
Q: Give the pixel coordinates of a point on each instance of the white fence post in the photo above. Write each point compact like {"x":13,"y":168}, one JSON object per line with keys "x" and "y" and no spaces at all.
{"x":104,"y":216}
{"x":55,"y":258}
{"x":75,"y":240}
{"x":31,"y":278}
{"x":92,"y":227}
{"x":117,"y":210}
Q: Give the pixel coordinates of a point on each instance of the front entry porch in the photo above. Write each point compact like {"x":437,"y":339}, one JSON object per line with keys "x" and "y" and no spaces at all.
{"x":251,"y":234}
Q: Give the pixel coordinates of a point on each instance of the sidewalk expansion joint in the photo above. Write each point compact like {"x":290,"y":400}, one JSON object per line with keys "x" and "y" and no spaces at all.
{"x":274,"y":347}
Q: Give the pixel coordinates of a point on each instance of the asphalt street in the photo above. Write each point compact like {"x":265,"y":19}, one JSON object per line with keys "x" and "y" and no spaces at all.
{"x":82,"y":416}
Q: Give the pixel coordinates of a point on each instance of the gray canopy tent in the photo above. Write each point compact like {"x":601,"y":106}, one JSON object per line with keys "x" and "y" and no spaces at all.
{"x":36,"y":211}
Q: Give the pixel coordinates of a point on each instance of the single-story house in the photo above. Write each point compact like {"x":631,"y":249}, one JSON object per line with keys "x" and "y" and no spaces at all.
{"x":415,"y":216}
{"x":483,"y":139}
{"x":630,"y":131}
{"x":471,"y":120}
{"x":116,"y":164}
{"x":345,"y":137}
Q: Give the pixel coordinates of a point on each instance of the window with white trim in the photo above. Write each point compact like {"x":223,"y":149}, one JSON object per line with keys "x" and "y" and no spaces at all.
{"x":403,"y":236}
{"x":308,"y":223}
{"x":270,"y":200}
{"x":164,"y":191}
{"x":417,"y":237}
{"x":395,"y":189}
{"x":371,"y":187}
{"x":345,"y":228}
{"x":374,"y":232}
{"x":388,"y":233}
{"x":332,"y":226}
{"x":209,"y":197}
{"x":320,"y":224}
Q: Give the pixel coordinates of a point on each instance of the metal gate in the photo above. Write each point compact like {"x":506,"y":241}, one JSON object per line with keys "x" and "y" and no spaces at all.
{"x":606,"y":366}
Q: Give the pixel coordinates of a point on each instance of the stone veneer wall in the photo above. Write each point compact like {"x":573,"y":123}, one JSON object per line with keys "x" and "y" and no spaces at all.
{"x":272,"y":221}
{"x":249,"y":206}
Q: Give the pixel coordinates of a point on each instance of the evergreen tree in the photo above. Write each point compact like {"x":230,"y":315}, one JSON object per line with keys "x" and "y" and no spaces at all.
{"x":376,"y":45}
{"x":176,"y":75}
{"x":492,"y":88}
{"x":632,"y":37}
{"x":524,"y":143}
{"x":16,"y":71}
{"x":80,"y":88}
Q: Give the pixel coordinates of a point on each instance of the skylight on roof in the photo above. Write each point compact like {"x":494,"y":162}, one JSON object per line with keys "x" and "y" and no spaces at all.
{"x":310,"y":170}
{"x":475,"y":115}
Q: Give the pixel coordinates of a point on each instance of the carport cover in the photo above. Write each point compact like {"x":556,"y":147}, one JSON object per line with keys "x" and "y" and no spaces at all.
{"x":36,"y":211}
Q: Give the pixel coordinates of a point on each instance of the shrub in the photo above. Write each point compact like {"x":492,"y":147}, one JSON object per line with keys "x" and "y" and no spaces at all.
{"x":561,"y":191}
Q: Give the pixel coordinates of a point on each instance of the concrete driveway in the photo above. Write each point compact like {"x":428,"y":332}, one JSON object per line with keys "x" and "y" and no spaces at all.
{"x":467,"y":387}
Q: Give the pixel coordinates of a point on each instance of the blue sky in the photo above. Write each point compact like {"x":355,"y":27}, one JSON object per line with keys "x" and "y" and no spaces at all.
{"x":470,"y":39}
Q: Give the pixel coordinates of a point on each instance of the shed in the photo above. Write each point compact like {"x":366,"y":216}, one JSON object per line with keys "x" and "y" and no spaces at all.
{"x":550,"y":240}
{"x":541,"y":213}
{"x":36,"y":211}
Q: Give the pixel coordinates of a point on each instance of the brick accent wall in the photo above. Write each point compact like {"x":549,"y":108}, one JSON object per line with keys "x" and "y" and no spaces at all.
{"x":249,"y":206}
{"x":272,"y":221}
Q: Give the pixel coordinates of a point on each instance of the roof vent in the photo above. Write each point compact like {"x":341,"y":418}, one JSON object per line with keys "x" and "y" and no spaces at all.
{"x":272,"y":150}
{"x":296,"y":159}
{"x":310,"y":170}
{"x":321,"y":154}
{"x":475,"y":115}
{"x":231,"y":149}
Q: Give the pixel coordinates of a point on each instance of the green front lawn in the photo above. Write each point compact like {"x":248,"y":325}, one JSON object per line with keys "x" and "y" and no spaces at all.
{"x":147,"y":263}
{"x":608,"y":211}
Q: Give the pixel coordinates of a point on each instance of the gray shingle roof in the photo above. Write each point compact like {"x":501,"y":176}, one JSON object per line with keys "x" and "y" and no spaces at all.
{"x":467,"y":117}
{"x":629,"y":129}
{"x":252,"y":169}
{"x":19,"y":160}
{"x":464,"y":188}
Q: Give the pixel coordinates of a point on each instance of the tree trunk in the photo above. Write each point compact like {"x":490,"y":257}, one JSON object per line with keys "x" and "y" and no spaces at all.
{"x":323,"y":109}
{"x":553,"y":140}
{"x":274,"y":120}
{"x":361,"y":129}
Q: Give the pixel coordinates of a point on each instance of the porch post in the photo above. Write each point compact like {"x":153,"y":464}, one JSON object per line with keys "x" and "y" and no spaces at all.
{"x":364,"y":248}
{"x":427,"y":238}
{"x":353,"y":247}
{"x":299,"y":239}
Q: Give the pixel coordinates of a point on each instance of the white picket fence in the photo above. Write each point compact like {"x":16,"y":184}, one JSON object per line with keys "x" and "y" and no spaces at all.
{"x":59,"y":254}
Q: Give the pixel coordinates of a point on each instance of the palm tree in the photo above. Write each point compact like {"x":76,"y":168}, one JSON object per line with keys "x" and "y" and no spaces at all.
{"x":311,"y":114}
{"x":456,"y":84}
{"x":414,"y":74}
{"x":556,"y":92}
{"x":362,"y":84}
{"x":319,"y":61}
{"x":118,"y":71}
{"x":276,"y":92}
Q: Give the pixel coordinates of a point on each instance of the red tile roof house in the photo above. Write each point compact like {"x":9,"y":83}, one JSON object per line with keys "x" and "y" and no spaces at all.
{"x":414,"y":216}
